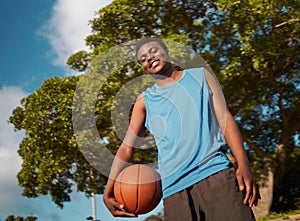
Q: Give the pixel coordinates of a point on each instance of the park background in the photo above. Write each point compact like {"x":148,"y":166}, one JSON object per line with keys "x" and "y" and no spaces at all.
{"x":253,"y":49}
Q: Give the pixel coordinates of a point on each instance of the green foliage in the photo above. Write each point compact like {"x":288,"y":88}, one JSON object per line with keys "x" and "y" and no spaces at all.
{"x":287,"y":194}
{"x":282,"y":215}
{"x":265,"y":61}
{"x":252,"y":46}
{"x":157,"y":217}
{"x":260,"y":77}
{"x":52,"y":161}
{"x":79,"y":61}
{"x":19,"y":218}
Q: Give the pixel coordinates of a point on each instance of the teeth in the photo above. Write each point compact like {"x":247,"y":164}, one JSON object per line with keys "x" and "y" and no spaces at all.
{"x":154,"y":62}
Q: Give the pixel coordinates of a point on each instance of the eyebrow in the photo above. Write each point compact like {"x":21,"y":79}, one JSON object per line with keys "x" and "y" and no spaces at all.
{"x":148,"y":51}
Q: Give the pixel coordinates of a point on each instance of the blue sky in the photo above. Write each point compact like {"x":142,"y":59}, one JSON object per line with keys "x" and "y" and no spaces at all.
{"x":37,"y":37}
{"x":26,"y":60}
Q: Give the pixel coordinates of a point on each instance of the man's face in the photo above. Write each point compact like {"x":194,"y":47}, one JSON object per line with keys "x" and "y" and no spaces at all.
{"x":152,"y":57}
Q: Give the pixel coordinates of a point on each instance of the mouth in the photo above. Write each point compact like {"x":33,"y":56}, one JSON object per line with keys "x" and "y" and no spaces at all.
{"x":153,"y":62}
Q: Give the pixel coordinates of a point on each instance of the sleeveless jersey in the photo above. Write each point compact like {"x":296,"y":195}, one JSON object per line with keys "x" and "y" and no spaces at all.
{"x":181,"y":119}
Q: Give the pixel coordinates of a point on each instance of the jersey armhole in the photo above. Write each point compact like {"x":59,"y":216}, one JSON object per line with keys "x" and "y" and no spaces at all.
{"x":199,"y":75}
{"x":144,"y":97}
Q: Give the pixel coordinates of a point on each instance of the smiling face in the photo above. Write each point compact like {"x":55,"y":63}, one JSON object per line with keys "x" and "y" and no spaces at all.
{"x":153,"y":58}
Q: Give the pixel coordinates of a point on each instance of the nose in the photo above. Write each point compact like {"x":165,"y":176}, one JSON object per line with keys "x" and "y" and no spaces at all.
{"x":150,"y":57}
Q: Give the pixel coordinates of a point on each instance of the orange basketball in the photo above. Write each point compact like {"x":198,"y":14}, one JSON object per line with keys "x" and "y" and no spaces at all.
{"x":138,"y":188}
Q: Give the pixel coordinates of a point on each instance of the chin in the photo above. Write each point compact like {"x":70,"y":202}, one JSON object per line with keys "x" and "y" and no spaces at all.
{"x":156,"y":70}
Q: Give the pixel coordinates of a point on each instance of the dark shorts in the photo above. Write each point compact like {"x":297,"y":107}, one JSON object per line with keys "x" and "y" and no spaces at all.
{"x":216,"y":198}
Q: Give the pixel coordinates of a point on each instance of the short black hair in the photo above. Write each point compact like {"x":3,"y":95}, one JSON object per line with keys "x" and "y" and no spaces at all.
{"x":143,"y":41}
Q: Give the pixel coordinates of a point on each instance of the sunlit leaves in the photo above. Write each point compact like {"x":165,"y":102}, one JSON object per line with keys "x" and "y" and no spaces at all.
{"x":252,"y":46}
{"x":49,"y":151}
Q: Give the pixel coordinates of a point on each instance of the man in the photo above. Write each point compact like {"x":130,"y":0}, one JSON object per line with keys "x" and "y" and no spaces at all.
{"x":186,"y":113}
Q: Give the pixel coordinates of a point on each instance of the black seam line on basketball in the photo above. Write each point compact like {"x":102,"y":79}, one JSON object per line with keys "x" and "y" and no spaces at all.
{"x":137,"y":190}
{"x":121,"y":193}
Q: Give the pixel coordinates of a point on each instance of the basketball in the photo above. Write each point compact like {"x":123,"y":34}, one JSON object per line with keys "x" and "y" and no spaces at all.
{"x":138,"y":188}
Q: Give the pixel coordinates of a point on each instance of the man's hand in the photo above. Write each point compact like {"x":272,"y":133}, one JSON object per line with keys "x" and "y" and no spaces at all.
{"x":116,"y":208}
{"x":247,"y":185}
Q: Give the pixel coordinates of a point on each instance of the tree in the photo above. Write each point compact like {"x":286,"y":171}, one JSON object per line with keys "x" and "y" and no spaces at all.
{"x":52,"y":161}
{"x":157,"y":217}
{"x":264,"y":59}
{"x":19,"y":218}
{"x":251,"y":46}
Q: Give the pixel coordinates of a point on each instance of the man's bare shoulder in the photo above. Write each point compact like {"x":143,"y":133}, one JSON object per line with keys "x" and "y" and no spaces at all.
{"x":140,"y":103}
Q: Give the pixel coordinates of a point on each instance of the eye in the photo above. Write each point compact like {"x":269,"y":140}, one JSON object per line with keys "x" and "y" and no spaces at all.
{"x":142,"y":59}
{"x":153,"y":50}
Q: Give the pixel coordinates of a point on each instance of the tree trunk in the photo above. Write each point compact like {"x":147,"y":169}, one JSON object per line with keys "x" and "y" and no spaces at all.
{"x":265,"y":179}
{"x":281,"y":159}
{"x":266,"y":186}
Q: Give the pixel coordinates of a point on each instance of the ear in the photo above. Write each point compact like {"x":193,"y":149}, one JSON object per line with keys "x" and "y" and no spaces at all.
{"x":169,"y":55}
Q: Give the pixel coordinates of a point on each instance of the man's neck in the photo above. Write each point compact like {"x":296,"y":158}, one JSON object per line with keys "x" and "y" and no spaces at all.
{"x":168,"y":77}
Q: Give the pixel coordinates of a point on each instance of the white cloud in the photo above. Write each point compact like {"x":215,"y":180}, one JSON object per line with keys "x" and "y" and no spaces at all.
{"x":9,"y":142}
{"x":69,"y":25}
{"x":11,"y":201}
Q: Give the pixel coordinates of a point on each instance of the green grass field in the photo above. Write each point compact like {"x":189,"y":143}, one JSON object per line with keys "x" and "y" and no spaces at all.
{"x":279,"y":215}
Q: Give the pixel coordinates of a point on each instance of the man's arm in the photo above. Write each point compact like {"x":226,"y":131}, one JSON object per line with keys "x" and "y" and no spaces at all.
{"x":124,"y":155}
{"x":234,"y":140}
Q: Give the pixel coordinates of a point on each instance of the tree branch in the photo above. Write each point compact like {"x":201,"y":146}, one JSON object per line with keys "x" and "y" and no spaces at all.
{"x":255,"y":148}
{"x":269,"y":163}
{"x":287,"y":22}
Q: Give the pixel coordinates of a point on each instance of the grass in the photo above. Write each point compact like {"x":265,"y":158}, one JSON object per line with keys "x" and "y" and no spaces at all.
{"x":279,"y":215}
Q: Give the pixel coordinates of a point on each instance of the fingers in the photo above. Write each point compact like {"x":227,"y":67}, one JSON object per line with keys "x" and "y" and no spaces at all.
{"x":248,"y":187}
{"x":118,"y":209}
{"x":245,"y":185}
{"x":123,"y":213}
{"x":248,"y":192}
{"x":255,"y":196}
{"x":251,"y":194}
{"x":240,"y":182}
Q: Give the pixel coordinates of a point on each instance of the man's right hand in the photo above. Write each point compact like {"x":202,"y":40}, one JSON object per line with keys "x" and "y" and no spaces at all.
{"x":115,"y":208}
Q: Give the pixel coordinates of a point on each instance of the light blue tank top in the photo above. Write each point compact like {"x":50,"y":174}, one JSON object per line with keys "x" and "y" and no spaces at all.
{"x":190,"y":144}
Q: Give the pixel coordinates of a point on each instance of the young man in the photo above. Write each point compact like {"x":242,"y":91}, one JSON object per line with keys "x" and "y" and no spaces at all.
{"x":186,"y":113}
